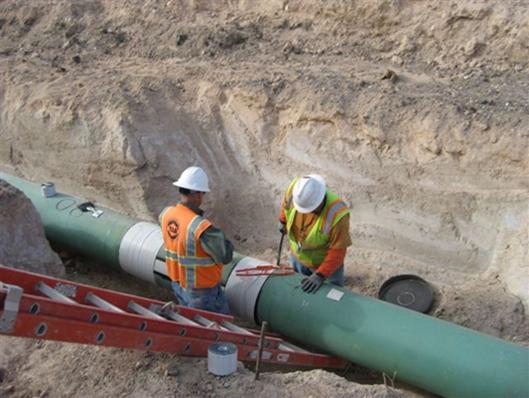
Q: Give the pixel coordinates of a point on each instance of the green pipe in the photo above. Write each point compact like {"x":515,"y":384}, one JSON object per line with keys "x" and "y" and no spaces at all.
{"x":429,"y":353}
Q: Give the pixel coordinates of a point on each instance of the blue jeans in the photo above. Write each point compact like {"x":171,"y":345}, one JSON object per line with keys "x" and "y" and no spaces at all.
{"x":336,"y":278}
{"x":209,"y":299}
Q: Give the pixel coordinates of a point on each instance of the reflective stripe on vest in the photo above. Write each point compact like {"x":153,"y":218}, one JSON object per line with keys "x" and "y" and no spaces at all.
{"x":289,"y":195}
{"x":333,"y":211}
{"x":171,"y":255}
{"x":197,"y":261}
{"x":190,"y":260}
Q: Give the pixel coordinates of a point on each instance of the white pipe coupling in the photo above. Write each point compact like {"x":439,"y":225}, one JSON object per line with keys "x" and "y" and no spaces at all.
{"x":138,"y":250}
{"x":243,"y":291}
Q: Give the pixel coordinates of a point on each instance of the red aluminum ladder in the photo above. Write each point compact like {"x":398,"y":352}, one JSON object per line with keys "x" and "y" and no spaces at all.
{"x":42,"y":307}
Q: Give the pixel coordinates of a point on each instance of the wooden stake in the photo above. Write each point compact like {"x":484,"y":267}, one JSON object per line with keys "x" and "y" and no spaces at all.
{"x":260,"y":352}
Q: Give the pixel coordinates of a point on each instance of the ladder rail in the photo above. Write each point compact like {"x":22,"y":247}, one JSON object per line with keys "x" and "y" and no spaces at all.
{"x":27,"y":281}
{"x":66,"y":330}
{"x":86,"y":313}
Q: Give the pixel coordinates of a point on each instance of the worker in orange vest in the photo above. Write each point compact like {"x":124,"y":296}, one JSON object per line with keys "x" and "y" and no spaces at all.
{"x":316,"y":221}
{"x":195,"y":249}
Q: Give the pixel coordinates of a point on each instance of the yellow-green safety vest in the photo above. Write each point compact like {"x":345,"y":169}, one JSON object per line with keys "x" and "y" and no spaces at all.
{"x":312,"y":251}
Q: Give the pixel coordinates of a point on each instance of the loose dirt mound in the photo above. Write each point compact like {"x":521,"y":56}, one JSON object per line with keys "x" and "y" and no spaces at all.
{"x":22,"y":241}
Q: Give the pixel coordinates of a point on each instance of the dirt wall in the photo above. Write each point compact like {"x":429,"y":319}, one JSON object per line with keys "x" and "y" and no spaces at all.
{"x":415,"y":112}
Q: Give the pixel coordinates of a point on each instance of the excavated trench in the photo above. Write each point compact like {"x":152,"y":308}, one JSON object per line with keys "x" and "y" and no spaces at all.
{"x":416,"y":114}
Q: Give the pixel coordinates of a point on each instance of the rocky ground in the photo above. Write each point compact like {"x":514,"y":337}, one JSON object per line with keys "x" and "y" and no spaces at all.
{"x":415,"y":112}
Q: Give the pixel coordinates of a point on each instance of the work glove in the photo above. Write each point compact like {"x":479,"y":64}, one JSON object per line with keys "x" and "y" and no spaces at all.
{"x":312,"y":283}
{"x":282,"y":228}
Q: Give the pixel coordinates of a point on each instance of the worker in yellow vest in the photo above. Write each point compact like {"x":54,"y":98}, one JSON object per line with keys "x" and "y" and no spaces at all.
{"x":195,"y":250}
{"x":317,"y":224}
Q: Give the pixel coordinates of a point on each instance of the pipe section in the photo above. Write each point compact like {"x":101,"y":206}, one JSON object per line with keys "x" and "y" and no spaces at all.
{"x":427,"y":352}
{"x":243,"y":291}
{"x":139,"y":249}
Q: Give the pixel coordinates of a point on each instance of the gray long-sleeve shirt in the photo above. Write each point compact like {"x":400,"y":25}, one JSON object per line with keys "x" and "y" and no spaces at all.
{"x":216,"y":245}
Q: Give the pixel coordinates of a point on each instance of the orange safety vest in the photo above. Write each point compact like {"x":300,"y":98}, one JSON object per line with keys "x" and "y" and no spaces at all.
{"x":187,"y":262}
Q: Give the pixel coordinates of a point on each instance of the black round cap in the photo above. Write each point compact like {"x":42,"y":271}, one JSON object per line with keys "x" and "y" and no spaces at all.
{"x":408,"y":291}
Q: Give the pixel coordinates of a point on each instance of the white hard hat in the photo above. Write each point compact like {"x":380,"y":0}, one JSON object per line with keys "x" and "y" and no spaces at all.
{"x":308,"y":193}
{"x":193,"y":178}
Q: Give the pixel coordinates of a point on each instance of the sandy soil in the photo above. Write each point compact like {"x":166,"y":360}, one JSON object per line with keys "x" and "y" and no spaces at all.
{"x":415,"y":112}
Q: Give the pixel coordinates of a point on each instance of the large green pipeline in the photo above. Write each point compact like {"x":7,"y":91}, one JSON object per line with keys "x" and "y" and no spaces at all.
{"x":435,"y":355}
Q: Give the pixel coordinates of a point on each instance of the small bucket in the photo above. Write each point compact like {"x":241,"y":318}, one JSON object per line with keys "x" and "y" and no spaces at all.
{"x":48,"y":189}
{"x":222,"y":359}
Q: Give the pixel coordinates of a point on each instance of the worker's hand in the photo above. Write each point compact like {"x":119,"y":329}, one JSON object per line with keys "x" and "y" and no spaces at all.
{"x":312,"y":283}
{"x":282,"y":228}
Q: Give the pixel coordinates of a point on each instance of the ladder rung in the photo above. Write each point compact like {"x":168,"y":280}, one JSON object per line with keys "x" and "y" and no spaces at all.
{"x":204,"y":321}
{"x":138,"y":309}
{"x":179,"y":318}
{"x":167,"y":311}
{"x":282,"y":346}
{"x":99,"y":302}
{"x":53,"y":294}
{"x":291,"y":347}
{"x":235,"y":328}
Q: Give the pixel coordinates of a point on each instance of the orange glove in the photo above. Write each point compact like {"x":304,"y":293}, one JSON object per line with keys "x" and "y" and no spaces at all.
{"x":282,"y":215}
{"x":333,"y":260}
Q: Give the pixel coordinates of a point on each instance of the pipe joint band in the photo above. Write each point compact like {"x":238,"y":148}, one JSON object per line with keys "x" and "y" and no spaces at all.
{"x":243,"y":291}
{"x":138,"y":250}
